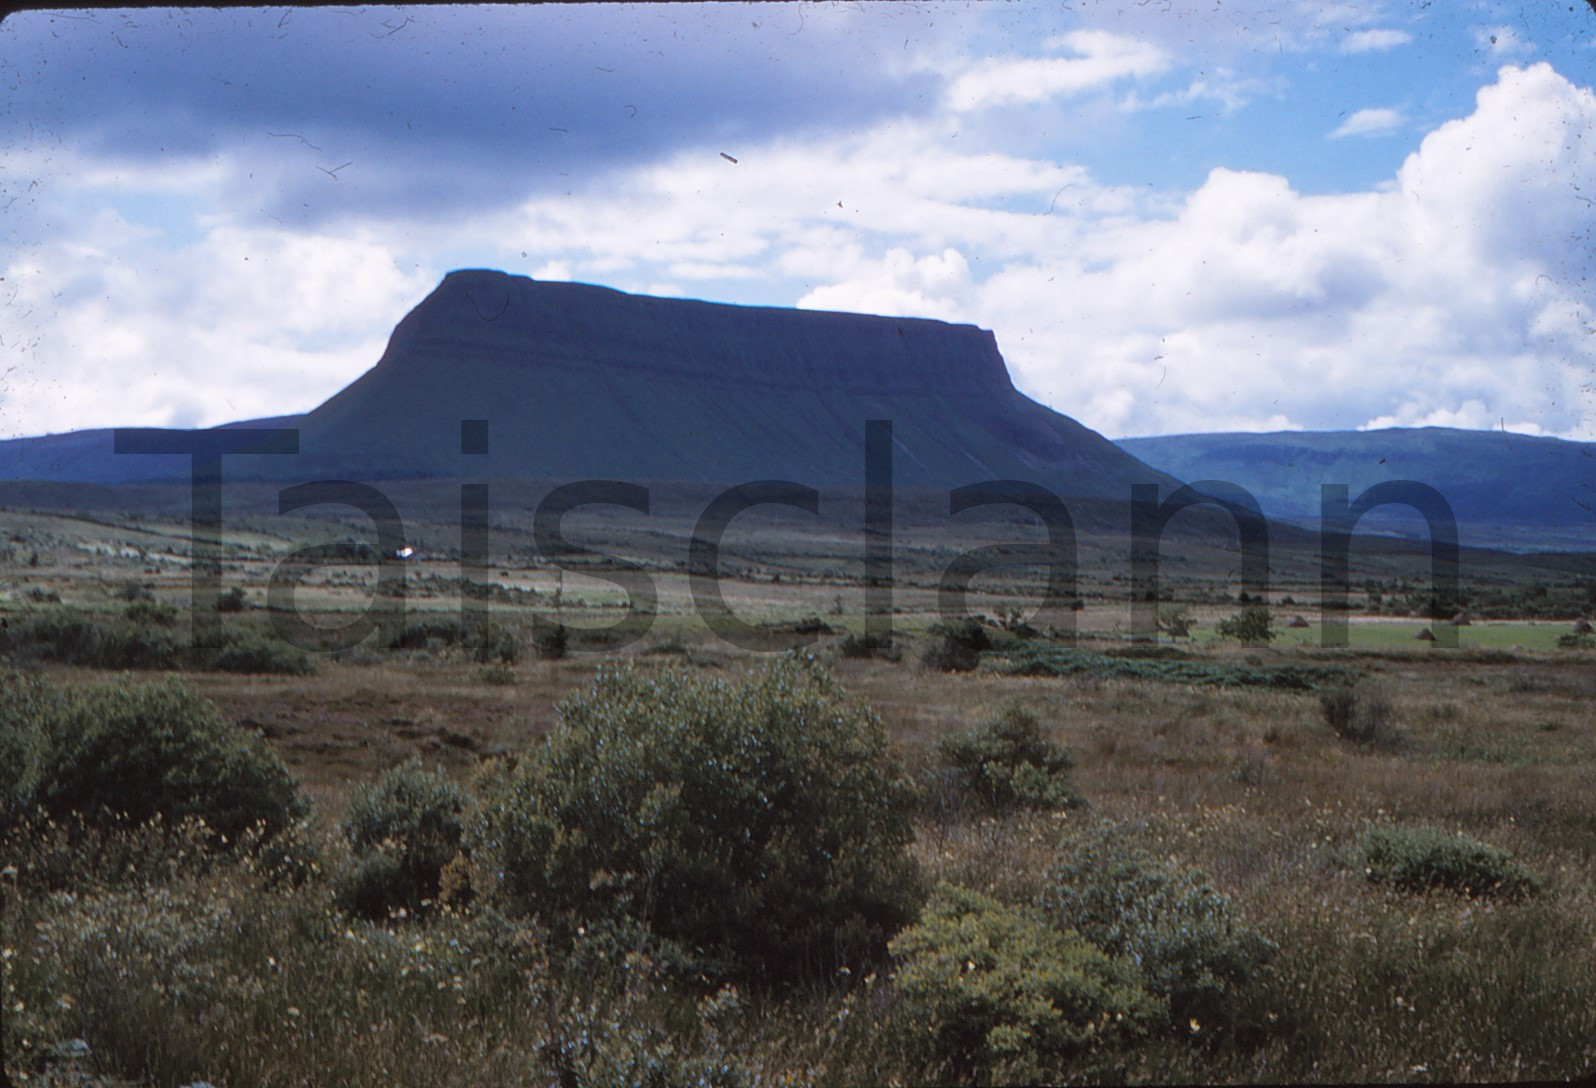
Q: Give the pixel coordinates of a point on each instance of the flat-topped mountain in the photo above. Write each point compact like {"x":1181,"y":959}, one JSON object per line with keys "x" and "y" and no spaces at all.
{"x":579,"y":381}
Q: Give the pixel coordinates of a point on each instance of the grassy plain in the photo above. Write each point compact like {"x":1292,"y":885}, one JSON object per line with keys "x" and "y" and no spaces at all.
{"x":1495,"y":739}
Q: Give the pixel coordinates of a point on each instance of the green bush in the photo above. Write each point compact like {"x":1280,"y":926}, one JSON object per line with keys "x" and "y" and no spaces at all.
{"x":1362,"y":714}
{"x":1006,"y":763}
{"x":422,"y":633}
{"x":550,"y":642}
{"x":147,"y":611}
{"x":247,"y":651}
{"x":79,"y":638}
{"x":23,"y":706}
{"x":1168,"y":665}
{"x":861,"y":646}
{"x":1252,"y":626}
{"x":493,"y":642}
{"x":948,"y":654}
{"x":231,"y":601}
{"x":757,"y":827}
{"x":1191,"y":949}
{"x":141,"y":639}
{"x":125,"y":752}
{"x":1421,"y":859}
{"x":403,"y":830}
{"x":959,"y":647}
{"x":1000,"y":996}
{"x":498,"y":674}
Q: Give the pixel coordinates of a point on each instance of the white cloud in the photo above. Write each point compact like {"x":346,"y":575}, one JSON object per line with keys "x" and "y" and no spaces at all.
{"x":937,"y":285}
{"x":1222,"y":86}
{"x":1375,"y":121}
{"x":1502,"y":41}
{"x":1455,"y":295}
{"x":1374,"y":41}
{"x":1101,"y":58}
{"x":243,"y":323}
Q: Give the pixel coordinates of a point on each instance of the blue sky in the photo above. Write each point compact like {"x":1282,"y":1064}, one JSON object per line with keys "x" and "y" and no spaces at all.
{"x":1175,"y":217}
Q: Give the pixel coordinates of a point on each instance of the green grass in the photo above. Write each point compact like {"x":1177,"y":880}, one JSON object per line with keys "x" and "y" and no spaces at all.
{"x":1398,"y":634}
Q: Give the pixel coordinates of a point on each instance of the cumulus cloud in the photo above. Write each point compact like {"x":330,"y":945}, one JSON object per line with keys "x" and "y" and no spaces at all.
{"x":1458,"y":293}
{"x":240,"y":324}
{"x":1375,"y":121}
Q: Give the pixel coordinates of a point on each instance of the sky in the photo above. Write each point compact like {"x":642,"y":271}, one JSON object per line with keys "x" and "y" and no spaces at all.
{"x":1175,"y":216}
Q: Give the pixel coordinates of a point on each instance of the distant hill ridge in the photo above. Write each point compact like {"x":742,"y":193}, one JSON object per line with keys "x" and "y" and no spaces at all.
{"x":1491,"y":479}
{"x":586,"y":382}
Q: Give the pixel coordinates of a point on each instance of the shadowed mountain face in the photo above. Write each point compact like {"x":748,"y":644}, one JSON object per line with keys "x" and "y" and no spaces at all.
{"x":1504,"y":488}
{"x":583,"y":382}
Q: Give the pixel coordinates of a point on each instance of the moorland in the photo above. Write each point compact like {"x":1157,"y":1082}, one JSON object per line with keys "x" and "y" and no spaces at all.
{"x":491,"y":842}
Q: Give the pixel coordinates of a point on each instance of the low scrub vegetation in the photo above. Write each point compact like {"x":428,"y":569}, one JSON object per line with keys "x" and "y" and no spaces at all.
{"x":718,"y":879}
{"x":1193,"y":952}
{"x":1007,"y":763}
{"x":1048,"y":660}
{"x":859,"y":646}
{"x":958,"y":647}
{"x":993,"y":994}
{"x":144,"y":638}
{"x":403,"y":831}
{"x":1363,"y":714}
{"x":1422,"y":859}
{"x":132,"y":753}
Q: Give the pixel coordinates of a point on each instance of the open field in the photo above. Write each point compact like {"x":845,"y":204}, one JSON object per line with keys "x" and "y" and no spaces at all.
{"x":1205,"y":754}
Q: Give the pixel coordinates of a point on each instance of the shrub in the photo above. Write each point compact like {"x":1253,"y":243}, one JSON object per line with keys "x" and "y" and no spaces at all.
{"x":231,"y":601}
{"x":498,"y":674}
{"x":23,"y":705}
{"x":78,"y":638}
{"x":948,"y":654}
{"x":759,"y":827}
{"x":404,"y":831}
{"x":999,"y":995}
{"x":141,"y":640}
{"x":959,"y":648}
{"x":419,"y":634}
{"x":550,"y":642}
{"x":1191,"y":949}
{"x":1361,"y":714}
{"x":1421,"y":859}
{"x":1007,"y":763}
{"x":858,"y":646}
{"x":126,"y":752}
{"x":1252,"y":626}
{"x":148,"y":611}
{"x":251,"y":652}
{"x":133,"y":590}
{"x":811,"y":625}
{"x":492,"y":642}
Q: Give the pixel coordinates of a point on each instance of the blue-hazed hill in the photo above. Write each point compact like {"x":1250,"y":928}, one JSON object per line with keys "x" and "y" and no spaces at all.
{"x":1506,"y":489}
